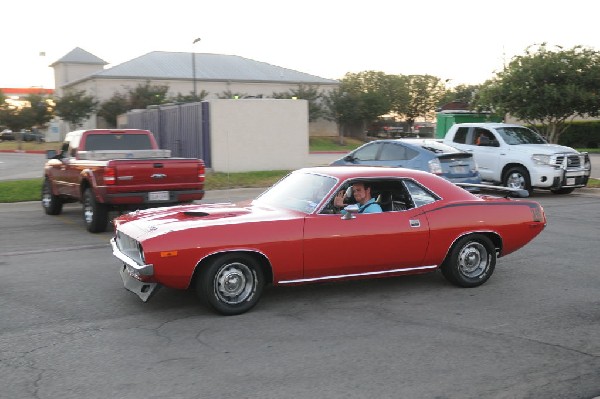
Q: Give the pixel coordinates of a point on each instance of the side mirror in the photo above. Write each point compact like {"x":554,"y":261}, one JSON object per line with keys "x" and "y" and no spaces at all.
{"x":50,"y":154}
{"x":350,"y":211}
{"x":349,"y":158}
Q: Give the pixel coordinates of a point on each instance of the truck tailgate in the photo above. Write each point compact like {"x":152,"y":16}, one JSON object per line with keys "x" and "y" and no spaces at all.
{"x":156,"y":174}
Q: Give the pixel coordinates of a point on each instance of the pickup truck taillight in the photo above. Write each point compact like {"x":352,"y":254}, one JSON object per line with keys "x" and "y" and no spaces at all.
{"x":201,"y":173}
{"x":110,"y":176}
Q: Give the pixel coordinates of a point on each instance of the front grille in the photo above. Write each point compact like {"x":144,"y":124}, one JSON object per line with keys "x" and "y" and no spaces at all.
{"x":568,"y":161}
{"x":130,"y":247}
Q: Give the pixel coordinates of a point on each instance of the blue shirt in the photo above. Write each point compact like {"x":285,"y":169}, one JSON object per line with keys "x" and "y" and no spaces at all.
{"x":370,"y":207}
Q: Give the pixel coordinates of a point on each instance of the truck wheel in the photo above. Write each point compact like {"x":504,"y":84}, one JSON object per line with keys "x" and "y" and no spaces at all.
{"x":517,"y":177}
{"x":471,"y":261}
{"x":95,"y":215}
{"x":567,"y":190}
{"x":51,"y":203}
{"x":231,"y":284}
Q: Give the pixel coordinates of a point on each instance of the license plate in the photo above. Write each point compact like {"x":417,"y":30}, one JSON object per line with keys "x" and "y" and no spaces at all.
{"x":459,"y":170}
{"x":158,"y":196}
{"x":570,"y":181}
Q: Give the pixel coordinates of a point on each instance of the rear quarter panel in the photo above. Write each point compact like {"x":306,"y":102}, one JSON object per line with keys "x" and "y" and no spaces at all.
{"x":512,"y":220}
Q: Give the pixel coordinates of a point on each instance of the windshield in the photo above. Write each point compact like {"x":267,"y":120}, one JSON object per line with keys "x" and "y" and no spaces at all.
{"x":298,"y":191}
{"x":520,"y":135}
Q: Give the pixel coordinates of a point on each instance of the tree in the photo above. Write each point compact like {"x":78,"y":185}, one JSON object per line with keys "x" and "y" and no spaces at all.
{"x":113,"y":107}
{"x":461,"y":93}
{"x":190,"y":98}
{"x":146,"y":94}
{"x":35,"y":113}
{"x":370,"y":94}
{"x":75,"y":107}
{"x":309,"y":93}
{"x":547,"y":87}
{"x":39,"y":112}
{"x":424,"y":93}
{"x":229,"y":95}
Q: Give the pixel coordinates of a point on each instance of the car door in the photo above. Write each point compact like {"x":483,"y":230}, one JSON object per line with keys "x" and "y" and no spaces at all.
{"x":367,"y":244}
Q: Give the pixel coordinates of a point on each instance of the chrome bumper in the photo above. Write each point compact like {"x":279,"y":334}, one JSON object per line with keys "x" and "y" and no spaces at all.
{"x":131,"y":272}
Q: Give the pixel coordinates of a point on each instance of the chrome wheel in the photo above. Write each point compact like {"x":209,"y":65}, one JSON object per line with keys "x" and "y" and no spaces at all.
{"x":234,"y":283}
{"x":472,"y":260}
{"x":231,"y":283}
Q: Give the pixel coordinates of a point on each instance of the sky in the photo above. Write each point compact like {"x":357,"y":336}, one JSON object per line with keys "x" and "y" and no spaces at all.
{"x":461,"y":42}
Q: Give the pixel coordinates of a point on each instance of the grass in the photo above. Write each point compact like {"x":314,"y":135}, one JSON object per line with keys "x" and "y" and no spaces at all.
{"x":333,"y":144}
{"x":30,"y":189}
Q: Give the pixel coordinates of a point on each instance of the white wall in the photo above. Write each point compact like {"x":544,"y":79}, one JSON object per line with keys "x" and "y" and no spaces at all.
{"x":254,"y":135}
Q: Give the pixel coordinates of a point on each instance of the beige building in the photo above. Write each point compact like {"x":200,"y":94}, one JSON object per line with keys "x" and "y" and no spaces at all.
{"x":251,"y":133}
{"x":184,"y":73}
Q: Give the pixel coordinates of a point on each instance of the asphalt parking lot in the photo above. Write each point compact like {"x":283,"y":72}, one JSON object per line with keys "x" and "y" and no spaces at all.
{"x":69,"y":329}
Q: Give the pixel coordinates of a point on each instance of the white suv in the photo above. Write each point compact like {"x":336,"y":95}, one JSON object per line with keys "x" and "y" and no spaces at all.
{"x":518,"y":157}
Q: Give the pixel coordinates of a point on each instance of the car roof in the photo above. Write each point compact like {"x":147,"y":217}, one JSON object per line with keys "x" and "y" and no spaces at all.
{"x":489,"y":124}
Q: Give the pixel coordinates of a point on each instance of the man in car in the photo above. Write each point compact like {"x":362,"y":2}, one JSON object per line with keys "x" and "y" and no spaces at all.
{"x":362,"y":194}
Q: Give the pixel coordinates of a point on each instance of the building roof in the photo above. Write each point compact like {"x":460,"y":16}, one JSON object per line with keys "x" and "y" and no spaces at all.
{"x":79,"y":56}
{"x":209,"y":67}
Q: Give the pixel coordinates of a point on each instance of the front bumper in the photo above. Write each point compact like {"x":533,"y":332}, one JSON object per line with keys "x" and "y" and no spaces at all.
{"x":567,"y":171}
{"x":134,"y":274}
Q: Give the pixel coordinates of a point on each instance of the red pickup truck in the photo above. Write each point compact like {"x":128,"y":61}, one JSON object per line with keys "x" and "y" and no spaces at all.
{"x":123,"y":169}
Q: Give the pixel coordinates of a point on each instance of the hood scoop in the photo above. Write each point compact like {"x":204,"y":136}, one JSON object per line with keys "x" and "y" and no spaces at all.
{"x":196,"y":213}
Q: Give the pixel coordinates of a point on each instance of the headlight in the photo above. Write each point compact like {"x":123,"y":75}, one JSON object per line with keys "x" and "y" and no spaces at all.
{"x":541,"y":159}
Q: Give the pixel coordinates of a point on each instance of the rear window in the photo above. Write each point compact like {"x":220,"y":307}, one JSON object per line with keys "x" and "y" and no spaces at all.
{"x":439,"y":148}
{"x":100,"y":142}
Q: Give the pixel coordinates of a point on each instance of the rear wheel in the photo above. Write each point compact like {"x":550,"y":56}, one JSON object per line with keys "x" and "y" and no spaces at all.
{"x":471,"y":261}
{"x":51,"y":203}
{"x":95,"y":214}
{"x":517,"y":177}
{"x":231,"y":283}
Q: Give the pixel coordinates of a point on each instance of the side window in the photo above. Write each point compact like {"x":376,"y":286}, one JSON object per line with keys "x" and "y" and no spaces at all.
{"x":393,"y":152}
{"x":481,"y":137}
{"x":461,"y":135}
{"x":419,"y":194}
{"x":368,"y":152}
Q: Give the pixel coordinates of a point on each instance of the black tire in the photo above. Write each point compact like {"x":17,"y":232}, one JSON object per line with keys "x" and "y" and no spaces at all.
{"x":51,"y":203}
{"x":517,"y":177}
{"x":231,"y":284}
{"x":471,"y":261}
{"x":95,"y":215}
{"x":567,"y":190}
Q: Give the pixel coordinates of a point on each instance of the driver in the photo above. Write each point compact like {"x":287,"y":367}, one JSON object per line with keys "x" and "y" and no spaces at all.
{"x":362,"y":195}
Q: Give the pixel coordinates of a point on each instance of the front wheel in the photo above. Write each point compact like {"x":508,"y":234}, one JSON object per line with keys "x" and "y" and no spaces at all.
{"x":471,"y":261}
{"x":51,"y":203}
{"x":95,"y":214}
{"x":231,"y":284}
{"x":517,"y":177}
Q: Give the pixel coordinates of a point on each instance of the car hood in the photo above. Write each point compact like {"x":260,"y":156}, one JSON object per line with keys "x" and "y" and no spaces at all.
{"x":145,"y":224}
{"x":547,"y":149}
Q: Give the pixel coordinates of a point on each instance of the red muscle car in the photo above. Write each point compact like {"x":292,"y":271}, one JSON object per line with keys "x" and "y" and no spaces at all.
{"x":293,"y":234}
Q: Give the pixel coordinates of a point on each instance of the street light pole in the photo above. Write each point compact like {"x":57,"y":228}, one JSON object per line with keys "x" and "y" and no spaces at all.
{"x":194,"y":69}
